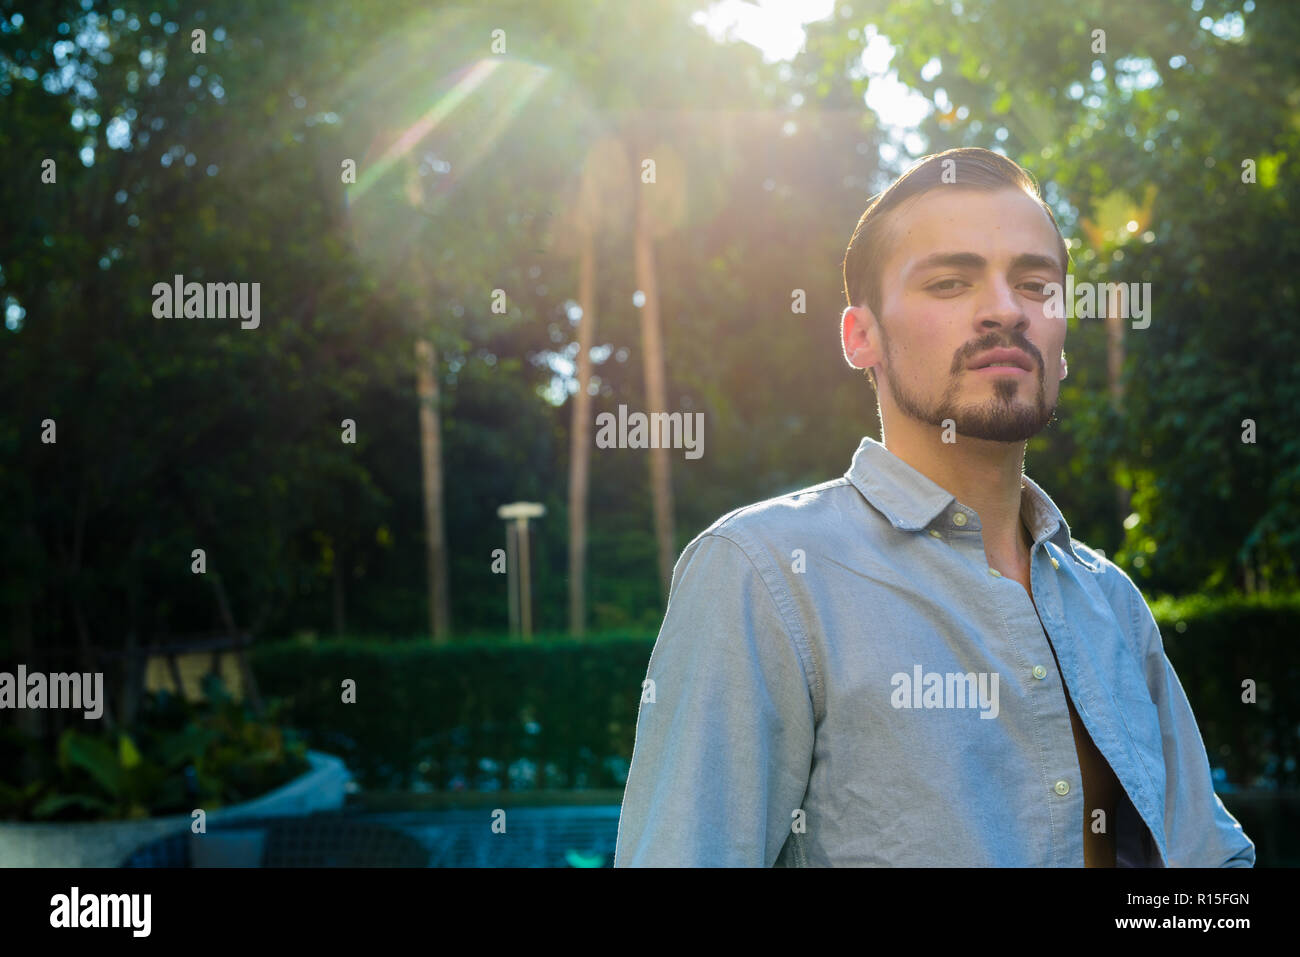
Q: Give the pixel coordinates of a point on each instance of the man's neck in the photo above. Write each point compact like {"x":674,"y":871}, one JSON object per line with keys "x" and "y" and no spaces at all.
{"x":984,"y":475}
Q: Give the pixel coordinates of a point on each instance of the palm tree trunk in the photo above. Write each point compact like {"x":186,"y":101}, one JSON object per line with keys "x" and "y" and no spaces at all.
{"x":656,"y":390}
{"x":431,"y":449}
{"x":580,"y":438}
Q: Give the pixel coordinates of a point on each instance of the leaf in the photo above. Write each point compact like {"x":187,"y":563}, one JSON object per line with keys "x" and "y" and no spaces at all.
{"x":1268,"y":167}
{"x":14,"y":798}
{"x":95,"y":757}
{"x":127,"y":753}
{"x":55,"y":803}
{"x":183,"y":747}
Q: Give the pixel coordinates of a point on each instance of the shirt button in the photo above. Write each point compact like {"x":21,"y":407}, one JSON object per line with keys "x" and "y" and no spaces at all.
{"x":1055,"y":563}
{"x":995,"y":573}
{"x":1040,"y":672}
{"x":959,"y":518}
{"x":1062,"y":787}
{"x":934,"y":533}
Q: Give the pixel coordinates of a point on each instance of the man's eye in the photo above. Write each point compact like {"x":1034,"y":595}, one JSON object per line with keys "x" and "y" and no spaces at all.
{"x":944,"y":285}
{"x":1035,"y":286}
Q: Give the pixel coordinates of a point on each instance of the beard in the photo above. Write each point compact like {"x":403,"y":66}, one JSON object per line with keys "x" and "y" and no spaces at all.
{"x":1004,"y":417}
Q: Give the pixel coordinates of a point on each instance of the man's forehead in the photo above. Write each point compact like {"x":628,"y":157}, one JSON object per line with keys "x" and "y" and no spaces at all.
{"x":990,"y":222}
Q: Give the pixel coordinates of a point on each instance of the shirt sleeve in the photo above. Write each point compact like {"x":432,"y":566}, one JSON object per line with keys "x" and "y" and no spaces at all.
{"x":724,"y":747}
{"x":1199,"y":831}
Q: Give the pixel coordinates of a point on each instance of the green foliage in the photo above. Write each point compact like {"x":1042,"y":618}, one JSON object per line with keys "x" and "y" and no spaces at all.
{"x":1216,"y":644}
{"x":182,"y":434}
{"x":428,"y":717}
{"x":178,"y":757}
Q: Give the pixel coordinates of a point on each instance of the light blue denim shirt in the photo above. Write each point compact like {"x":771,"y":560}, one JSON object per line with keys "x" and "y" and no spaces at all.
{"x":841,"y":679}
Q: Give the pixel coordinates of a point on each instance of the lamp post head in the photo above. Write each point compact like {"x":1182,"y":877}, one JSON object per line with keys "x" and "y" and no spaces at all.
{"x":524,"y":510}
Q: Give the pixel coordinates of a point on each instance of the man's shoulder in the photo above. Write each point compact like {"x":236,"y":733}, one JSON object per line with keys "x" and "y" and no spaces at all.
{"x":801,"y":513}
{"x":1120,"y":590}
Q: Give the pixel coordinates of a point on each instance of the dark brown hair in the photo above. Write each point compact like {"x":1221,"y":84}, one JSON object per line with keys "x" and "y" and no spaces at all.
{"x":971,"y":168}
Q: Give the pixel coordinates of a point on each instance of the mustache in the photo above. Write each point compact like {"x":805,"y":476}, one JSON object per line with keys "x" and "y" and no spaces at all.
{"x":995,"y":341}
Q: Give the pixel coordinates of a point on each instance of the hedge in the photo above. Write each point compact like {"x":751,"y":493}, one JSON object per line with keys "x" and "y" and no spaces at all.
{"x":562,"y":713}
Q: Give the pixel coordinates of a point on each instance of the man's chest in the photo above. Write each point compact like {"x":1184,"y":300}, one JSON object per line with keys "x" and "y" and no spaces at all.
{"x":947,"y":711}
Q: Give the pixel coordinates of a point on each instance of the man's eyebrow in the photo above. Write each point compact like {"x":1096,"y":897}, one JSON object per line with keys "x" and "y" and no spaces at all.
{"x":950,"y":260}
{"x":1036,"y":261}
{"x":1022,"y":262}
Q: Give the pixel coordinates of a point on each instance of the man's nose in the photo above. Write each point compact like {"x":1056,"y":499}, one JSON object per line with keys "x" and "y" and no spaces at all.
{"x":1000,"y":306}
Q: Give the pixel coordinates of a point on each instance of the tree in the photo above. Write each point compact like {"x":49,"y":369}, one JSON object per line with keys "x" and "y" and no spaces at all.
{"x":599,"y":207}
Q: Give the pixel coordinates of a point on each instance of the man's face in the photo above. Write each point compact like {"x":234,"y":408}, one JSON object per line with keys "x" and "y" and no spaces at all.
{"x":964,"y":275}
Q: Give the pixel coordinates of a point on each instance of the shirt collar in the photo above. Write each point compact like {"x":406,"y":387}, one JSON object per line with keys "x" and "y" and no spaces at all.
{"x":912,"y":501}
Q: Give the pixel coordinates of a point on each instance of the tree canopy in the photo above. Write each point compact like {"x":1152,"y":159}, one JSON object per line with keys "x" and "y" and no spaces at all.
{"x":1168,"y":153}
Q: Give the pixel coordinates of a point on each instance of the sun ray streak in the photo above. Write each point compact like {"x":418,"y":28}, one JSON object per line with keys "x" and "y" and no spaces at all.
{"x":424,"y":125}
{"x":526,"y":87}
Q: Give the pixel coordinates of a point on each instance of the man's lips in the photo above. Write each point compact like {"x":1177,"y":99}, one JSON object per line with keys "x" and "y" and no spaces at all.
{"x":1004,"y":360}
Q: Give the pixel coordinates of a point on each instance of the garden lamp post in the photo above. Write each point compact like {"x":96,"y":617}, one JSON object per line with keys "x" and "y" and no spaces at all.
{"x":518,"y":582}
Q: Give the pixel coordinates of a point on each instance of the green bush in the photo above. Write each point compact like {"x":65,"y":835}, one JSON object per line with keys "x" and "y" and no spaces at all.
{"x":1215,"y":644}
{"x":177,"y":756}
{"x":428,"y":718}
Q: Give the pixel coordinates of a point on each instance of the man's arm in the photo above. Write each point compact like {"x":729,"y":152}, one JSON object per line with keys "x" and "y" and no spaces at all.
{"x":1199,"y":831}
{"x":722,"y":754}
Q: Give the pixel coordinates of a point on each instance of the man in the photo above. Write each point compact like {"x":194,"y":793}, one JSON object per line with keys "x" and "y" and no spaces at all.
{"x":916,"y":664}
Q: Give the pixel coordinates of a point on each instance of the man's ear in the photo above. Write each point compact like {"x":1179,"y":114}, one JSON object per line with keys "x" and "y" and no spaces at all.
{"x":859,"y":337}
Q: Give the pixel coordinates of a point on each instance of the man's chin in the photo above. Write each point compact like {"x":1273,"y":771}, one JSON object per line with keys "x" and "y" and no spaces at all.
{"x":994,"y":420}
{"x":1004,"y":424}
{"x":999,"y":434}
{"x":1002,"y":427}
